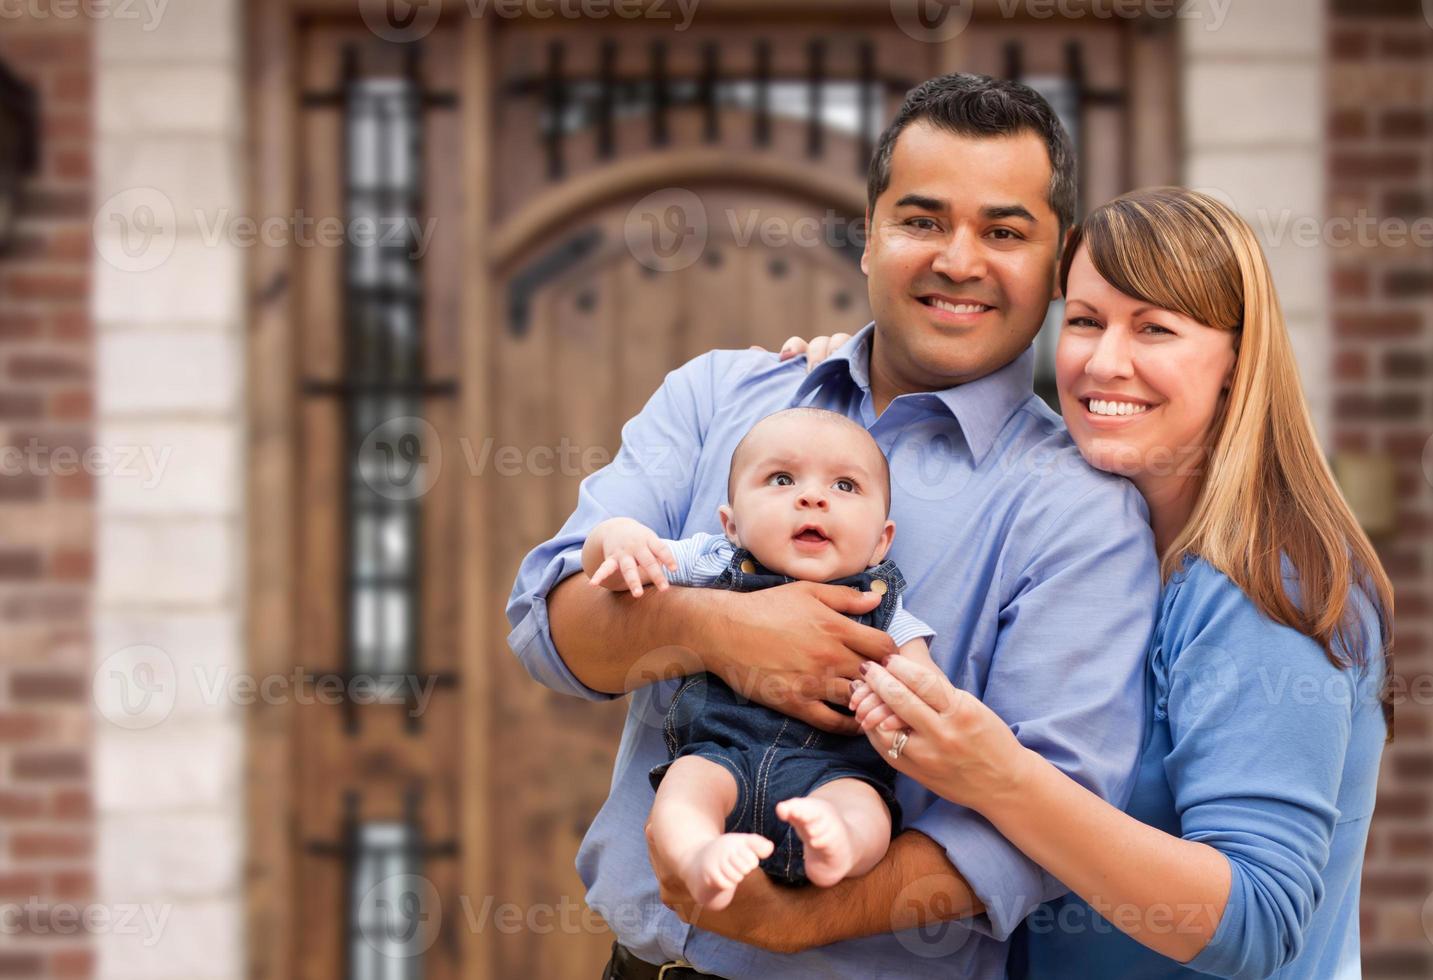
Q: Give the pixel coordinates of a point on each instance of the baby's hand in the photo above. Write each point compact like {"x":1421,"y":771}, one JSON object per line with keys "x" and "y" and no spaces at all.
{"x":631,"y":555}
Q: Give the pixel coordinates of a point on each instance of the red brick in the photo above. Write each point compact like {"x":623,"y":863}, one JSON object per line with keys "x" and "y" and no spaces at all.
{"x":18,"y":326}
{"x":1348,"y":125}
{"x":1396,"y":884}
{"x":71,"y":804}
{"x":20,"y":884}
{"x":19,"y":564}
{"x":72,"y":964}
{"x":20,"y":727}
{"x":1348,"y":165}
{"x":55,"y":764}
{"x":1379,"y":325}
{"x":39,"y":844}
{"x":72,"y":885}
{"x":71,"y":404}
{"x":1350,"y":42}
{"x":47,"y":685}
{"x":20,"y":964}
{"x":19,"y":405}
{"x":1403,"y":124}
{"x":71,"y":325}
{"x":20,"y":488}
{"x":1408,"y":283}
{"x":78,"y":485}
{"x":1410,"y":44}
{"x":1404,"y":364}
{"x":1411,"y":843}
{"x":1351,"y":365}
{"x":44,"y":286}
{"x":1352,"y":282}
{"x":71,"y":86}
{"x":19,"y":805}
{"x":51,"y":367}
{"x":48,"y":605}
{"x":73,"y":164}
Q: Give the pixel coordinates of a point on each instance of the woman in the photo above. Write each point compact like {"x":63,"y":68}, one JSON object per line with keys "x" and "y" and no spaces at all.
{"x":1240,"y":851}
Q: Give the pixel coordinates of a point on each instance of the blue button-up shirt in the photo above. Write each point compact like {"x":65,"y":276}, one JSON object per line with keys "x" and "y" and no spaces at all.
{"x":1037,"y":573}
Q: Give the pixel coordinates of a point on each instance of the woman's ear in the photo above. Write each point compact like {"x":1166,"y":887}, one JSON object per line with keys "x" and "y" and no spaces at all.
{"x":728,"y":523}
{"x":888,"y":534}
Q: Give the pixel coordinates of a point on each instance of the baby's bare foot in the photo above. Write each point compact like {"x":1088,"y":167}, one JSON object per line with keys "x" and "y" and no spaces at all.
{"x":830,"y":854}
{"x":714,"y":871}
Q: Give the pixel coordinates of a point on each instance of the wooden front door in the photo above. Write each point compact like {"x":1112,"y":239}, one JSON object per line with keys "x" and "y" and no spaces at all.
{"x":572,"y":209}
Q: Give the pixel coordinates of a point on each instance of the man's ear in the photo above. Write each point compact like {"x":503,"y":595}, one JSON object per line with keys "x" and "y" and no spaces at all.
{"x":728,"y":523}
{"x":888,"y":534}
{"x":866,"y":245}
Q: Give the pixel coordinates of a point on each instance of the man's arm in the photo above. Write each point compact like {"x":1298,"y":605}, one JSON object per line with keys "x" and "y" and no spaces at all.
{"x":610,"y":644}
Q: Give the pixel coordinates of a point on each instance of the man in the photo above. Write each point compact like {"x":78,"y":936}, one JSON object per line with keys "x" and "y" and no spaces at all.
{"x":1037,"y":573}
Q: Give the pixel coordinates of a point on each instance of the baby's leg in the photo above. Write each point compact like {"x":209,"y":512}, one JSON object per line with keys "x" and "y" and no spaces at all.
{"x":844,"y":826}
{"x":688,"y":816}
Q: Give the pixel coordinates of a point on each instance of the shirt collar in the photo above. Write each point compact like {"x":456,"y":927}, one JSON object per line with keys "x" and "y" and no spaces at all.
{"x":982,"y":407}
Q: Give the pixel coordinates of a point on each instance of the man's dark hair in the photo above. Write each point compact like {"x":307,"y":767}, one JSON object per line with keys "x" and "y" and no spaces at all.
{"x":978,"y":105}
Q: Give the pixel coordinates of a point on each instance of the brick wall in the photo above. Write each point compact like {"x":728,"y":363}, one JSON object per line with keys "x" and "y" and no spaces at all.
{"x":46,"y":518}
{"x":1380,"y":167}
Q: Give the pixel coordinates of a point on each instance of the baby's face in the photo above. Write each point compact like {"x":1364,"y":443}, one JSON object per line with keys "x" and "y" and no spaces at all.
{"x":809,"y":501}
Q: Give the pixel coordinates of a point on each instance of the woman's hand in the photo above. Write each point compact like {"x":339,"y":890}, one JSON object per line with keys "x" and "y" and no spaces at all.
{"x":816,"y":350}
{"x":956,"y":746}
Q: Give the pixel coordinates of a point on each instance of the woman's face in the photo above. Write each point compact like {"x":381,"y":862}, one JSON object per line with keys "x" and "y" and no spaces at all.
{"x":1139,"y":386}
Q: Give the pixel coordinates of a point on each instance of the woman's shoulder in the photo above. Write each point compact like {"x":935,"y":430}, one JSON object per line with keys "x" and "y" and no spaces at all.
{"x":1204,"y":611}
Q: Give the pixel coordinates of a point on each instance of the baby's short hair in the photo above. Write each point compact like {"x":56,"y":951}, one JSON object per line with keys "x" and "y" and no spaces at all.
{"x":823,"y":415}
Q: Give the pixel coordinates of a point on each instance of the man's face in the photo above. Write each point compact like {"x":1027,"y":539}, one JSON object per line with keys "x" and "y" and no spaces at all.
{"x":961,"y":256}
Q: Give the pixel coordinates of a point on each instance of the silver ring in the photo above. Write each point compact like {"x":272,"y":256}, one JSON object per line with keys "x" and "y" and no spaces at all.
{"x":899,"y":743}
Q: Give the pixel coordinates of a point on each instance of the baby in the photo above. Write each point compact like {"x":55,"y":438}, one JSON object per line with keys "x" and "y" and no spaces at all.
{"x":808,"y":498}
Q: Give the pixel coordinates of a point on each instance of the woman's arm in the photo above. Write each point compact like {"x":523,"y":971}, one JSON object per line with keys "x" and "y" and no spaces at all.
{"x":1254,"y":770}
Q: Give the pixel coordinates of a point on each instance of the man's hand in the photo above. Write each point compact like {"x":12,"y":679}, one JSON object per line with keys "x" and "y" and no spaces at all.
{"x":792,"y":649}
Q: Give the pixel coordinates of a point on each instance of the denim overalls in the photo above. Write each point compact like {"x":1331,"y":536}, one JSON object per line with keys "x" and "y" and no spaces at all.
{"x":772,"y":756}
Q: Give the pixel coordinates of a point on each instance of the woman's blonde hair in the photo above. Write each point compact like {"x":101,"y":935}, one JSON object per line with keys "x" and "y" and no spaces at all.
{"x":1267,"y":494}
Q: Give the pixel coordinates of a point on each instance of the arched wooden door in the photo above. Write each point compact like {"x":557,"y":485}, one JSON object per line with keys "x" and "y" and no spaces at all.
{"x":594,"y":202}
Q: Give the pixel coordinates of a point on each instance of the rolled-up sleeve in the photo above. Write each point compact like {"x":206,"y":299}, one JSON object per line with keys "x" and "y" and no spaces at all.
{"x":1067,"y":675}
{"x":649,"y":480}
{"x":1260,"y":722}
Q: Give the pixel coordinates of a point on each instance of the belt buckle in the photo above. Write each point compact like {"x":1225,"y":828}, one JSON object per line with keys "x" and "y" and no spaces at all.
{"x":674,"y":965}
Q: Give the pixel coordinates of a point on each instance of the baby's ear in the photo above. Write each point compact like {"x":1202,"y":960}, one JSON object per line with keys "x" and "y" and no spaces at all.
{"x":888,"y":534}
{"x":728,"y":522}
